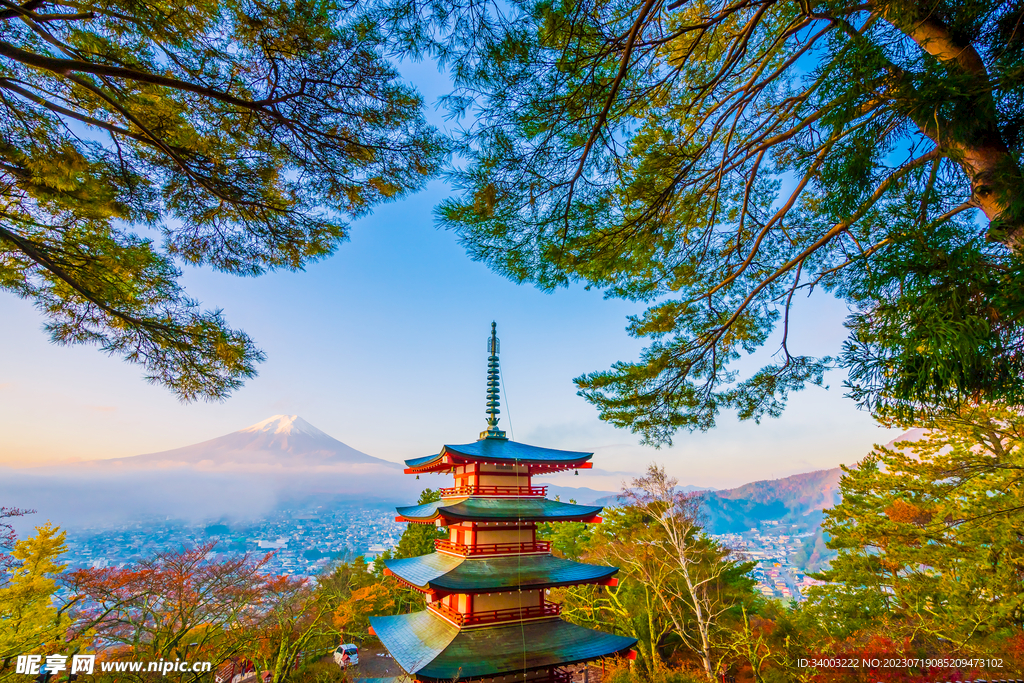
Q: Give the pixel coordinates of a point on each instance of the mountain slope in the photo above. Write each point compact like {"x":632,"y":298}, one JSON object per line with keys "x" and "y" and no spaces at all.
{"x":282,"y":442}
{"x":799,"y":499}
{"x":796,"y":499}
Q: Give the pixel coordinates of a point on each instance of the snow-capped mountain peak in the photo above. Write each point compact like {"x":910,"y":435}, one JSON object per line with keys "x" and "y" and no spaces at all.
{"x":284,"y":424}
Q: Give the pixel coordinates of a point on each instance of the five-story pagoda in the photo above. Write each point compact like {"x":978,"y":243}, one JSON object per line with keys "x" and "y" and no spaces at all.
{"x":486,"y":616}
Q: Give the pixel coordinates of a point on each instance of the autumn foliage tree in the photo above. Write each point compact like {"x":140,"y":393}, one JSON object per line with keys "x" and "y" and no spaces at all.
{"x":8,"y":537}
{"x":366,"y":594}
{"x":30,"y":621}
{"x":681,"y":594}
{"x":635,"y":606}
{"x":696,"y":580}
{"x":291,"y":622}
{"x":416,"y":540}
{"x":178,"y":605}
{"x":188,"y":606}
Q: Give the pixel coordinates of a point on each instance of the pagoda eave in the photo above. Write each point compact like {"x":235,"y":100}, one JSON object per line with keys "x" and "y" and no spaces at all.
{"x":499,"y":511}
{"x":440,"y":575}
{"x":499,"y":451}
{"x":433,"y":521}
{"x":433,"y":649}
{"x":451,"y":519}
{"x":535,"y":467}
{"x":442,"y":592}
{"x":437,"y":593}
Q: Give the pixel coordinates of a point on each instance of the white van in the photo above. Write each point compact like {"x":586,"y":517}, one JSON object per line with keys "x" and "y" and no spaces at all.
{"x":346,"y":649}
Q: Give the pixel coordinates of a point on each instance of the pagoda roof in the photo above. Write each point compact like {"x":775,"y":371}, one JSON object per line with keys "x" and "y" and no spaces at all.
{"x":499,"y":509}
{"x":497,"y":450}
{"x":449,"y":574}
{"x":426,"y":646}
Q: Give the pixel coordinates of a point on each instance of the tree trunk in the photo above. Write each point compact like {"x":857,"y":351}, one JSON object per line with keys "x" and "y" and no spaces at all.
{"x":701,"y":619}
{"x":979,"y":148}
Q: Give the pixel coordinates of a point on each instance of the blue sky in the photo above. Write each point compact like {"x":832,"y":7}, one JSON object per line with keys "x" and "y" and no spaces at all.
{"x":383,"y":347}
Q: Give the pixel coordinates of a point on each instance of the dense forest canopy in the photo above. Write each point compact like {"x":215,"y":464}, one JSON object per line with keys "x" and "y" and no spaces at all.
{"x":235,"y":134}
{"x":714,"y":160}
{"x":718,"y":160}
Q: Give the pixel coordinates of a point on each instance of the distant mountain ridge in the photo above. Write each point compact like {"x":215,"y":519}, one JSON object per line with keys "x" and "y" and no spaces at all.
{"x":798,"y":499}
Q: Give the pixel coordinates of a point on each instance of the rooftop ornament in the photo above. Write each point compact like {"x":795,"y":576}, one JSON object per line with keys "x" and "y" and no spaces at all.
{"x":493,"y":386}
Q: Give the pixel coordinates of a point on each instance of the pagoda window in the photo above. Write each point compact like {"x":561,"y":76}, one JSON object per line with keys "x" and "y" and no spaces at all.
{"x":514,"y":535}
{"x":510,"y":600}
{"x":505,"y":470}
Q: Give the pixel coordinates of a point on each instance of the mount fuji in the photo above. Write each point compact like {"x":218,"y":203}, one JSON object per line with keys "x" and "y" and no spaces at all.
{"x":282,"y":443}
{"x":281,"y":461}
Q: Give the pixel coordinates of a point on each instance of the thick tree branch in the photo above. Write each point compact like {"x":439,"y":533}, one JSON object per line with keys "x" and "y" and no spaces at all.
{"x":982,"y":151}
{"x":66,"y":66}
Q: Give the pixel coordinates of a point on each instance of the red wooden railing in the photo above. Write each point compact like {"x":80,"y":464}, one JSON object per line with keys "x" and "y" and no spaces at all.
{"x":496,"y":616}
{"x":492,"y":548}
{"x":495,"y":491}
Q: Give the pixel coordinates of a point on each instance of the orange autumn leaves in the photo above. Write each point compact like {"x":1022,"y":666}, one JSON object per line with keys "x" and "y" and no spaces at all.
{"x":188,"y":605}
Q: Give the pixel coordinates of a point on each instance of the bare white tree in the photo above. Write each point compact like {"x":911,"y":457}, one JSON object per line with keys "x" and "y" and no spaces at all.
{"x":695,"y":600}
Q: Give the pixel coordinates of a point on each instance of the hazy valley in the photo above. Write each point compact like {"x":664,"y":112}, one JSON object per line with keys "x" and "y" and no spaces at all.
{"x":286,"y":487}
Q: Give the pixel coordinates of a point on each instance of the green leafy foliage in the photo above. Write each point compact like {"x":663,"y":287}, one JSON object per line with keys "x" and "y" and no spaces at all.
{"x":717,"y":159}
{"x":237,"y":135}
{"x":416,"y":540}
{"x":568,"y":539}
{"x":929,"y":535}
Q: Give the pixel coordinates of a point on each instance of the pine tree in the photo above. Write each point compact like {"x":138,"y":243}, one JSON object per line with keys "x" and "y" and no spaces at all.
{"x":718,"y":159}
{"x":930,"y":535}
{"x":236,"y":135}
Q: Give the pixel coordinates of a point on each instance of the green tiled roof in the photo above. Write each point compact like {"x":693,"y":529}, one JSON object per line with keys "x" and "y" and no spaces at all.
{"x":414,"y":640}
{"x":500,"y":509}
{"x":425,"y":568}
{"x":459,"y":575}
{"x":424,"y":645}
{"x":503,"y":450}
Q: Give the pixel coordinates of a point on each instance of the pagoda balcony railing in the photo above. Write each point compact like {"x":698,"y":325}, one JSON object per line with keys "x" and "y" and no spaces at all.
{"x":494,"y":491}
{"x":497,"y":616}
{"x":445,"y":545}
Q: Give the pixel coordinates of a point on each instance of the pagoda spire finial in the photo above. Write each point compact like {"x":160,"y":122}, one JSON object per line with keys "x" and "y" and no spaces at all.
{"x":493,"y":387}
